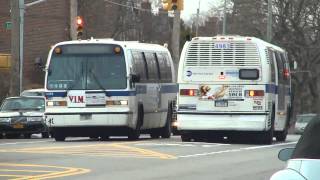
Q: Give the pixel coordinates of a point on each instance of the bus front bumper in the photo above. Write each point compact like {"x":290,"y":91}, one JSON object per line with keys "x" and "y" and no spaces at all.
{"x":223,"y":121}
{"x":89,"y":118}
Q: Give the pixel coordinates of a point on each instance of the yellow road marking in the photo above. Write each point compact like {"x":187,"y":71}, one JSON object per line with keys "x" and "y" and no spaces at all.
{"x":25,"y":170}
{"x":65,"y":171}
{"x":112,"y":149}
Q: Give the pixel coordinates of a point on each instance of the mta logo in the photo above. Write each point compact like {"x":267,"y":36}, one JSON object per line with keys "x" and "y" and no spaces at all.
{"x":189,"y":73}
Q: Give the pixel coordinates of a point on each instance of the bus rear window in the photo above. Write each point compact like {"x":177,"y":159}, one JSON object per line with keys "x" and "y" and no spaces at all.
{"x":249,"y":74}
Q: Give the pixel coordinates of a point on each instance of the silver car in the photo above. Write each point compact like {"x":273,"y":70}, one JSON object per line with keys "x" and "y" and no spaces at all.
{"x":303,"y":161}
{"x":302,"y":121}
{"x":23,"y":115}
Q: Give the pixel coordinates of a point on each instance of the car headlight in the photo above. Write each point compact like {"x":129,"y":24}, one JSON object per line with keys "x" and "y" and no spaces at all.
{"x":5,"y":119}
{"x":34,"y":119}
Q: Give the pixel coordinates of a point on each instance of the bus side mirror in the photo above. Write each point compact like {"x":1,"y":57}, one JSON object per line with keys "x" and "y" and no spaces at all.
{"x":135,"y":78}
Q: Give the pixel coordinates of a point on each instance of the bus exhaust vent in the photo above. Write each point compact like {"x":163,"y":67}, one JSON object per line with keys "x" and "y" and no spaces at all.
{"x":208,"y":53}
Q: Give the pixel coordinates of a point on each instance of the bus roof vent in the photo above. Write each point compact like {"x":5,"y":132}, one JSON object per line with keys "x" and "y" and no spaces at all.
{"x":214,"y":53}
{"x":267,"y":56}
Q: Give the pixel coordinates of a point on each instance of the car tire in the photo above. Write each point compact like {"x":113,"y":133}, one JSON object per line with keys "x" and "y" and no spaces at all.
{"x":13,"y":136}
{"x":155,"y":134}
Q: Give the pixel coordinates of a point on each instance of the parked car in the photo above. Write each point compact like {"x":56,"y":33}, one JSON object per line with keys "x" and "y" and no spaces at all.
{"x":303,"y":161}
{"x":302,"y":121}
{"x":33,"y":92}
{"x":23,"y":115}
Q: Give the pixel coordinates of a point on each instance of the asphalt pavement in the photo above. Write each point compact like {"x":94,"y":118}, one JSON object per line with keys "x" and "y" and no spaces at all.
{"x":146,"y":159}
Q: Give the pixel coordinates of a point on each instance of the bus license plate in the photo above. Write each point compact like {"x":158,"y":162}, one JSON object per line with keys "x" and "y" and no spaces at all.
{"x":221,"y":103}
{"x":85,"y":117}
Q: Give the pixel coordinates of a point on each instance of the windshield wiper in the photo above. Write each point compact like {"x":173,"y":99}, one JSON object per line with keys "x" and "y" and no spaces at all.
{"x":97,"y":80}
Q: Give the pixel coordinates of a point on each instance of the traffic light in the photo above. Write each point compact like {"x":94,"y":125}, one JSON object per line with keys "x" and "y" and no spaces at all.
{"x":79,"y":26}
{"x":172,"y":5}
{"x":167,"y":5}
{"x":180,"y":5}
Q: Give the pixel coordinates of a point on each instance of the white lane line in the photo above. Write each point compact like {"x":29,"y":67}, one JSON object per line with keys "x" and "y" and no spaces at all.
{"x":31,"y":142}
{"x":180,"y":144}
{"x":236,"y":150}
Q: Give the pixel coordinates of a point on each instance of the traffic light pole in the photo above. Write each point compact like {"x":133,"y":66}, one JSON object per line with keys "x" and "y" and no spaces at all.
{"x":21,"y":35}
{"x":175,"y":39}
{"x":73,"y":18}
{"x":15,"y":48}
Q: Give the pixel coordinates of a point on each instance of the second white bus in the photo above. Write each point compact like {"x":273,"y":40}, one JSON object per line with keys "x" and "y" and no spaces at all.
{"x":233,"y":86}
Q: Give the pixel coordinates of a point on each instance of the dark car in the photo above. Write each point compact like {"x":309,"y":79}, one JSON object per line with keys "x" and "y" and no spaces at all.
{"x":23,"y":115}
{"x":303,"y":161}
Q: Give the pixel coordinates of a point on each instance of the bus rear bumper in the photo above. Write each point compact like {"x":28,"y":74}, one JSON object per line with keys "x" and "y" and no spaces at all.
{"x":223,"y":121}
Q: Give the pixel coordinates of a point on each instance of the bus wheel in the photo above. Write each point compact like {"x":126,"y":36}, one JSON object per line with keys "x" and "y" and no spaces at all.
{"x":45,"y":134}
{"x":267,"y":137}
{"x":59,"y":137}
{"x":155,"y":134}
{"x":27,"y":135}
{"x":282,"y":135}
{"x":185,"y":137}
{"x":166,"y":130}
{"x":134,"y":134}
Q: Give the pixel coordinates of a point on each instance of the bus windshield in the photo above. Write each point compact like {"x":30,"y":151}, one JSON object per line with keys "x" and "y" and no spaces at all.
{"x":87,"y":67}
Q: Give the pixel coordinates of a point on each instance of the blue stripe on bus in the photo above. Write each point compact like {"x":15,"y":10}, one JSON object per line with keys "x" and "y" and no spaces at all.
{"x":108,"y":93}
{"x":271,"y":88}
{"x":140,"y":89}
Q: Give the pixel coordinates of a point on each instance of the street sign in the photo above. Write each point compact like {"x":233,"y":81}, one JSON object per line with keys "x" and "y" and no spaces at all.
{"x":8,"y":25}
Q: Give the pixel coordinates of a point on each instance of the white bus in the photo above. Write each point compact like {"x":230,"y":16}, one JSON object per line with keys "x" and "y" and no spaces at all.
{"x":232,"y":86}
{"x":99,"y":88}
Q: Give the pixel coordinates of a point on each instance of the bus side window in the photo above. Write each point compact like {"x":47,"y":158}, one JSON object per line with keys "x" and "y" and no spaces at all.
{"x":163,"y":68}
{"x":273,"y":72}
{"x":168,"y":69}
{"x":152,"y":67}
{"x":280,"y":67}
{"x":139,"y":65}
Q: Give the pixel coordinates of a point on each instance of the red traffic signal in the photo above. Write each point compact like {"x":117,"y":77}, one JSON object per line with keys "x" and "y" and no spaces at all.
{"x":79,"y":23}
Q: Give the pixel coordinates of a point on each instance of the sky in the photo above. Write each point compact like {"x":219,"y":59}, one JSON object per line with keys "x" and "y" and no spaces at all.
{"x":190,"y":7}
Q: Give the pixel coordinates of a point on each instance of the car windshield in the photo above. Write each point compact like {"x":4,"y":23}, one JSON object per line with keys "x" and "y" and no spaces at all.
{"x":308,"y":145}
{"x":305,"y":118}
{"x":23,"y":104}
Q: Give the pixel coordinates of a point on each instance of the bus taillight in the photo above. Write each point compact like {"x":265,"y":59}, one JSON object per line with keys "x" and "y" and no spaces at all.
{"x":254,"y":93}
{"x":188,"y":92}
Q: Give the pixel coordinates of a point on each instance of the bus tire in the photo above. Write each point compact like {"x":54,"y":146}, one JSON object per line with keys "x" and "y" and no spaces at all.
{"x":134,"y":134}
{"x":45,"y":135}
{"x":281,"y":136}
{"x":59,"y":137}
{"x":186,"y":137}
{"x":27,"y":135}
{"x":166,"y":130}
{"x":267,"y":137}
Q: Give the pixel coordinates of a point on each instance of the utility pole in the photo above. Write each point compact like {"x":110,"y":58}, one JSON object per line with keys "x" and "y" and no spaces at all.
{"x":198,"y":14}
{"x":15,"y":48}
{"x":73,"y":18}
{"x":224,"y":17}
{"x":175,"y":38}
{"x":269,"y":25}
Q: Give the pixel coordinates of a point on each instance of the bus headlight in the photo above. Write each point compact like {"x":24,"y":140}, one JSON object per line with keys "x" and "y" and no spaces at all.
{"x":117,"y":102}
{"x":56,"y":103}
{"x":5,"y":119}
